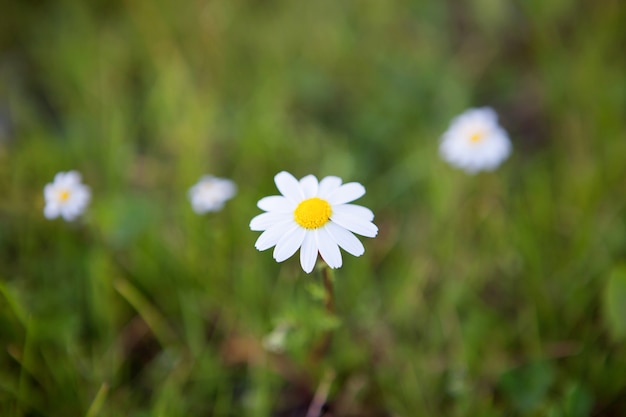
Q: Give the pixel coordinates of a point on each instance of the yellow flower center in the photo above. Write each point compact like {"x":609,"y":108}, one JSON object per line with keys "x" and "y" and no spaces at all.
{"x":64,"y":195}
{"x":312,"y":213}
{"x":477,"y":136}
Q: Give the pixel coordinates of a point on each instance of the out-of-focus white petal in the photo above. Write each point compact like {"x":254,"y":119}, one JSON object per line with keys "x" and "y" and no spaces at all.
{"x":346,"y":193}
{"x":83,"y":194}
{"x":486,"y":115}
{"x":227,"y":187}
{"x":345,"y":239}
{"x":68,"y":214}
{"x":355,"y":224}
{"x":289,"y":244}
{"x":276,"y":203}
{"x":289,"y":186}
{"x":51,"y":211}
{"x":74,"y":211}
{"x":49,"y":191}
{"x":328,"y":248}
{"x":71,"y":178}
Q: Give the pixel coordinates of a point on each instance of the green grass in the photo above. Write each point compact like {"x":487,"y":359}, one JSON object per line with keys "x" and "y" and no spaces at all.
{"x":496,"y":294}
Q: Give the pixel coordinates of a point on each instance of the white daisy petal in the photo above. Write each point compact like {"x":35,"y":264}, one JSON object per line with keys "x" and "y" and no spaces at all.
{"x":289,"y":244}
{"x":71,"y":178}
{"x":308,"y":185}
{"x":66,"y":217}
{"x":228,"y":187}
{"x":328,"y":185}
{"x":487,"y":114}
{"x":328,"y":248}
{"x":308,"y":253}
{"x":355,"y":224}
{"x":83,"y":195}
{"x":51,"y":211}
{"x":266,"y":220}
{"x":49,"y":191}
{"x":346,"y":193}
{"x":272,"y":235}
{"x":276,"y":203}
{"x":63,"y":179}
{"x":354,"y":210}
{"x":345,"y":239}
{"x":68,"y":214}
{"x":288,"y":186}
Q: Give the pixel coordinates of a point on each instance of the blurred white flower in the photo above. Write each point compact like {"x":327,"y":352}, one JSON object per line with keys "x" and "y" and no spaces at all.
{"x":313,"y":217}
{"x":475,"y":142}
{"x":275,"y":341}
{"x":66,"y":196}
{"x":210,"y":194}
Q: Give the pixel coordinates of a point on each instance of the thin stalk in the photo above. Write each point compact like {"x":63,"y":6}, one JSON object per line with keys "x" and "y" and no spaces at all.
{"x":321,"y":395}
{"x":322,"y":348}
{"x":328,"y":287}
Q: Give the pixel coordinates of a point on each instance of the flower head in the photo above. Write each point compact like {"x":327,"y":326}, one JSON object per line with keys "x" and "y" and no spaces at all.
{"x":314,"y":217}
{"x":474,"y":141}
{"x":66,"y":196}
{"x":210,"y":194}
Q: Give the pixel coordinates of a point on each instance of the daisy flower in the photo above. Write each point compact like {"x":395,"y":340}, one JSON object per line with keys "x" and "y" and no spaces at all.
{"x":475,"y":142}
{"x":66,"y":196}
{"x":314,"y":217}
{"x":210,"y":194}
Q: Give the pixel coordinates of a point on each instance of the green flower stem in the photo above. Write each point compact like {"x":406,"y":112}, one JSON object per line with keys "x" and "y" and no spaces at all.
{"x":321,"y":350}
{"x":328,"y":289}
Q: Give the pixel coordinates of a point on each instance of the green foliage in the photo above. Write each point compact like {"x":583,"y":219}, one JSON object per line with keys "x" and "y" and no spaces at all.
{"x":501,"y":293}
{"x":528,"y":386}
{"x":615,"y":303}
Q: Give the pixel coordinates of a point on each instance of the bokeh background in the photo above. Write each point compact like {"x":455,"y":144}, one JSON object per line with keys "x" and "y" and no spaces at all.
{"x":501,"y":293}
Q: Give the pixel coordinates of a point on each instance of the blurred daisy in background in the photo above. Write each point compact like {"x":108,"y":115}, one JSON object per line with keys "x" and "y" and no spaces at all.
{"x":275,"y":341}
{"x":314,"y":217}
{"x":210,"y":194}
{"x":475,"y":141}
{"x":66,"y":196}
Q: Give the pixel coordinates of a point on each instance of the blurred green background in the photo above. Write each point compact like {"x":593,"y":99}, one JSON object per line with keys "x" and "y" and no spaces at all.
{"x":496,"y":294}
